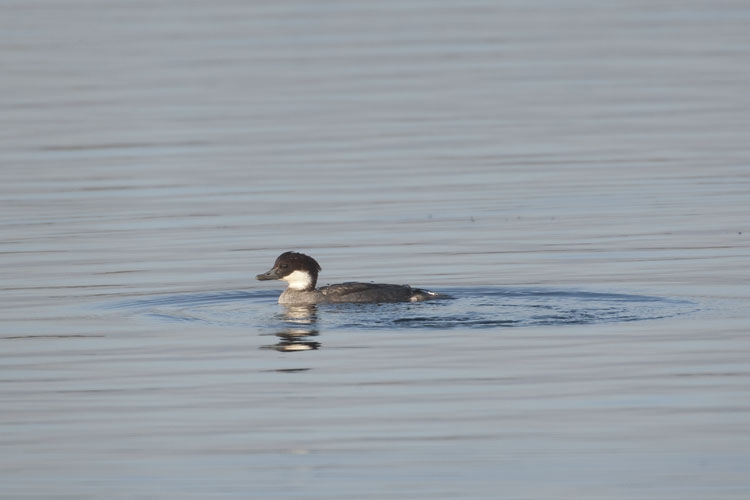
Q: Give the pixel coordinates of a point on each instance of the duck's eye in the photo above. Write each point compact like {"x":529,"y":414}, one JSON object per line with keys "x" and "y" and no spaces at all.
{"x":284,"y":266}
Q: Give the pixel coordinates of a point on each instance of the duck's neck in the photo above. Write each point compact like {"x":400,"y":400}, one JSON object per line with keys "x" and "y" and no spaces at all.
{"x":300,"y":281}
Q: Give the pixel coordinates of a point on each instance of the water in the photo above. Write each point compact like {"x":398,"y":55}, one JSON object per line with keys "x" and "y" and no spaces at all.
{"x":576,"y":174}
{"x":476,"y":307}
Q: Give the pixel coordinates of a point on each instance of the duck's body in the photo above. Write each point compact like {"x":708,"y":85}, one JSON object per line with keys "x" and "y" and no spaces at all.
{"x":301,"y":272}
{"x":355,"y":292}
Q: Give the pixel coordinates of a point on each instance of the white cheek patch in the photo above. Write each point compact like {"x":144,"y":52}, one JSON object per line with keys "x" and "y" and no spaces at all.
{"x":298,"y":280}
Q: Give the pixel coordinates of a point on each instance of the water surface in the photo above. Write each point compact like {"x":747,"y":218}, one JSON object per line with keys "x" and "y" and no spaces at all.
{"x":576,"y":174}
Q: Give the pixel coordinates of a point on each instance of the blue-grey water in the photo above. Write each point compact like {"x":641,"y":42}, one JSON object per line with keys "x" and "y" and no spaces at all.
{"x":575,"y":174}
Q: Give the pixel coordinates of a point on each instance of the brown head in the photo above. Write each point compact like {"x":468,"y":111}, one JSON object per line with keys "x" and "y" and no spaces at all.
{"x":297,"y":269}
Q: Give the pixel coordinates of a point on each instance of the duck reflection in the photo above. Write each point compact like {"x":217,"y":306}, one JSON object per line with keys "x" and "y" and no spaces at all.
{"x":299,"y":326}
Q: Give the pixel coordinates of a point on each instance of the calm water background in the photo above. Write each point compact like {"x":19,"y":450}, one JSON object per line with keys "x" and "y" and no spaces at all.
{"x":156,"y":156}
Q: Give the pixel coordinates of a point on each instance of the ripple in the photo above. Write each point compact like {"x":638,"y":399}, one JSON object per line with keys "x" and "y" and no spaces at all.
{"x":470,"y":307}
